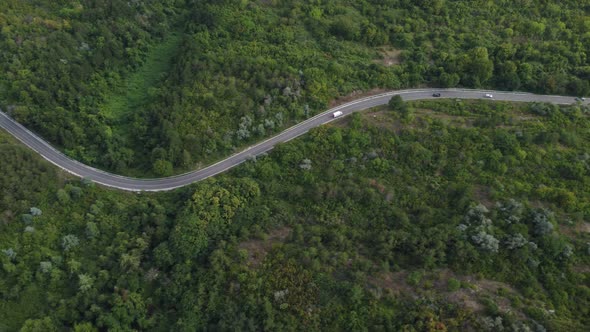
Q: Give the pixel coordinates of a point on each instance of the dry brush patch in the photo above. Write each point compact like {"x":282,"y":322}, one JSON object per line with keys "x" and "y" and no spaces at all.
{"x":389,"y":56}
{"x":258,"y":248}
{"x":575,"y":230}
{"x":436,"y":283}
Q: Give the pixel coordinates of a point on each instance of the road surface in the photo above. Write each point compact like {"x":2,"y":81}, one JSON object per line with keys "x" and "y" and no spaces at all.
{"x":162,"y":184}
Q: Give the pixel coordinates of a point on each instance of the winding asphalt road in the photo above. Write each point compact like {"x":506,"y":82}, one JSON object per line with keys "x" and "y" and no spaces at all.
{"x":162,"y":184}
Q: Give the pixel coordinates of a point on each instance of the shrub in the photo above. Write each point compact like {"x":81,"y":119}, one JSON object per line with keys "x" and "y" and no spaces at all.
{"x":69,"y":241}
{"x":453,"y":284}
{"x":35,"y":211}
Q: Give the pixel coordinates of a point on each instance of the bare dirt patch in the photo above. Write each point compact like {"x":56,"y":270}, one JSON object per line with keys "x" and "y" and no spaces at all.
{"x":467,"y":297}
{"x":258,"y":249}
{"x":576,"y":230}
{"x":389,"y":57}
{"x":483,"y":195}
{"x":6,"y":217}
{"x":583,"y":227}
{"x":582,"y":269}
{"x":492,"y":289}
{"x":394,"y":282}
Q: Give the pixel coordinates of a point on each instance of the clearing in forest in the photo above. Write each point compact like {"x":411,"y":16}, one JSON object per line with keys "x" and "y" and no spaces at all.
{"x":134,"y":91}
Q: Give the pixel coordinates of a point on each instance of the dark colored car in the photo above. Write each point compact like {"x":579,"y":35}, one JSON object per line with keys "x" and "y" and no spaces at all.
{"x":436,"y":94}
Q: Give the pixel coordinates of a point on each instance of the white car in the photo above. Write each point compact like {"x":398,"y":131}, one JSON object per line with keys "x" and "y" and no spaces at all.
{"x":489,"y":95}
{"x":337,"y":114}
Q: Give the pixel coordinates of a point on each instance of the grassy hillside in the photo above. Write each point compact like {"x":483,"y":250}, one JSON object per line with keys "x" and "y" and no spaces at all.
{"x":448,"y":215}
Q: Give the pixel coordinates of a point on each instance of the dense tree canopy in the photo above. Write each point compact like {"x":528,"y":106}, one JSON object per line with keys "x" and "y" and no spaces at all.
{"x":443,"y":215}
{"x":60,"y":60}
{"x":202,"y":78}
{"x":464,"y":216}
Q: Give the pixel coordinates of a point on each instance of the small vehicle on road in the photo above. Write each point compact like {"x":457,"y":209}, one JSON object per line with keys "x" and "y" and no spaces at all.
{"x":436,"y":94}
{"x":337,"y":114}
{"x":489,"y":95}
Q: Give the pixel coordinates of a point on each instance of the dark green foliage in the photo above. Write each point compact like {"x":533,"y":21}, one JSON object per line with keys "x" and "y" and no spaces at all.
{"x":453,"y":284}
{"x":396,"y":103}
{"x":254,"y":61}
{"x":307,"y":237}
{"x":59,"y":60}
{"x":111,"y":82}
{"x":276,"y":246}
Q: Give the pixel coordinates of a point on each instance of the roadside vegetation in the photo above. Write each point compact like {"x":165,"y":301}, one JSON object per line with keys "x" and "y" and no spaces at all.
{"x":248,"y":69}
{"x":450,"y":215}
{"x":62,"y":61}
{"x":433,"y":215}
{"x":252,"y":68}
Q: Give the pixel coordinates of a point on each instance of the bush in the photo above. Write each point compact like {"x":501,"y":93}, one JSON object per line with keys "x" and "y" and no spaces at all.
{"x":453,"y":285}
{"x":35,"y":211}
{"x":414,"y":278}
{"x":69,"y":242}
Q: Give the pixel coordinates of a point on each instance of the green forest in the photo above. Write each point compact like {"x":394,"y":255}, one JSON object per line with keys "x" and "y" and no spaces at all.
{"x":153,"y":88}
{"x":442,"y":215}
{"x":446,"y":216}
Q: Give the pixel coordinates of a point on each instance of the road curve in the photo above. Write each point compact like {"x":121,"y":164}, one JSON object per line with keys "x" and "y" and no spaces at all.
{"x":162,"y":184}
